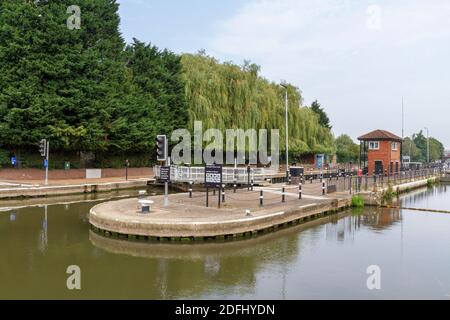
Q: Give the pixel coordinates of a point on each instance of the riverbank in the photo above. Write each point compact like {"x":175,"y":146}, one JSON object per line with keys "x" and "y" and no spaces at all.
{"x":10,"y":191}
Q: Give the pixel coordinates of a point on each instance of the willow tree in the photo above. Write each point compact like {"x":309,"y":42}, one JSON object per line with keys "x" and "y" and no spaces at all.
{"x":228,"y":96}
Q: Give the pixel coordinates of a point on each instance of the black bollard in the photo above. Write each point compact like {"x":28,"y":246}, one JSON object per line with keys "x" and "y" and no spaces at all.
{"x":190,"y":189}
{"x":261,"y":198}
{"x":283,"y":195}
{"x":300,"y":191}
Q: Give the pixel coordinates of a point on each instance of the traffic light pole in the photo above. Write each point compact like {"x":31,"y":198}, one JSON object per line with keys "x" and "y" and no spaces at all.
{"x":46,"y":157}
{"x":166,"y":186}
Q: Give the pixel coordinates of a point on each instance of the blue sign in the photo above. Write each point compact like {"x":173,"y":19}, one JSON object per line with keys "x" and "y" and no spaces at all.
{"x":45,"y":163}
{"x":13,"y":161}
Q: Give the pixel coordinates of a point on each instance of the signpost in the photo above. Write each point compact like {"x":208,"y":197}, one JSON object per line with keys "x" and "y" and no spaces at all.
{"x":13,"y":161}
{"x":213,"y":179}
{"x":164,"y":174}
{"x":44,"y":149}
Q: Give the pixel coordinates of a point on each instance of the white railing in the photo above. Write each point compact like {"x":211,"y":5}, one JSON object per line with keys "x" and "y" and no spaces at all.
{"x":229,"y":175}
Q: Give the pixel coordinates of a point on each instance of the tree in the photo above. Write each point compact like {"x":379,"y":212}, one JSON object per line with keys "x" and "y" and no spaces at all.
{"x":225,"y":96}
{"x":59,"y":83}
{"x":323,"y":117}
{"x":83,"y":89}
{"x":410,"y":149}
{"x":347,"y":149}
{"x":421,"y":148}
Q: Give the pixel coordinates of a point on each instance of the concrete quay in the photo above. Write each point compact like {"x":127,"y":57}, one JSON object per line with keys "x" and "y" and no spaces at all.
{"x":188,"y":219}
{"x":24,"y":191}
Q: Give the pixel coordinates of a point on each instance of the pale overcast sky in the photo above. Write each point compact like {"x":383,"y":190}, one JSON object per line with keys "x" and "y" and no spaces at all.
{"x":358,"y":58}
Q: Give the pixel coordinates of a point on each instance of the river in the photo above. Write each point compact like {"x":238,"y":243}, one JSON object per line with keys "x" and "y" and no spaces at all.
{"x":325,"y":259}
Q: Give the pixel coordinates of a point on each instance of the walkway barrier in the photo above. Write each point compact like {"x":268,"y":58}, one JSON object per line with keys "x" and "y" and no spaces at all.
{"x":230,"y":175}
{"x":352,"y":184}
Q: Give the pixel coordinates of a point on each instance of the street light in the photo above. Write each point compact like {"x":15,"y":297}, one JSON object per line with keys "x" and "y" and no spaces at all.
{"x":285,"y":86}
{"x":428,"y":145}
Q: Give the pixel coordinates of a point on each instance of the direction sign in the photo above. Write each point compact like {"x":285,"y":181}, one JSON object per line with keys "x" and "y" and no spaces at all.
{"x":45,"y":163}
{"x":13,"y":161}
{"x":296,"y":171}
{"x":213,"y":176}
{"x":164,"y":174}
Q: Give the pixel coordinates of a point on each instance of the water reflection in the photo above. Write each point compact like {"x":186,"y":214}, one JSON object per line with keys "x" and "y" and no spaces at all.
{"x":325,"y":258}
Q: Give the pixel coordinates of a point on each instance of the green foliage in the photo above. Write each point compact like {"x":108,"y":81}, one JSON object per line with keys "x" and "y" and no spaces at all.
{"x":417,"y":147}
{"x":4,"y":158}
{"x":347,"y":150}
{"x":389,"y":195}
{"x":226,"y":96}
{"x":323,"y":117}
{"x":82,"y":89}
{"x":430,"y":183}
{"x":357,"y":202}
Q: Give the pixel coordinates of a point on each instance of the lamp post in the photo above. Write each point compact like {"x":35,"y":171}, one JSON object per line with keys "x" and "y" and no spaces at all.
{"x":285,"y":86}
{"x":428,"y":145}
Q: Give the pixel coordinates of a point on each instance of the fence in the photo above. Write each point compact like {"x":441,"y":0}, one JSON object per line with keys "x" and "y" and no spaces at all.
{"x":353,"y":183}
{"x":229,"y":175}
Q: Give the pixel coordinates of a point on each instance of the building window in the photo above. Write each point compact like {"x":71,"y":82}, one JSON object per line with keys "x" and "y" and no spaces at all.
{"x":374,"y":145}
{"x":394,"y":146}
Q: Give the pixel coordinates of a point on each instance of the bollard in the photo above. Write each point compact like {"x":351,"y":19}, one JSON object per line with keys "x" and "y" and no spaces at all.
{"x":142,"y":194}
{"x":261,"y":198}
{"x":283,"y":195}
{"x":300,"y":191}
{"x":321,"y":177}
{"x":323,"y":188}
{"x":251,"y":185}
{"x":311,"y":179}
{"x":234,"y":186}
{"x":223,"y":193}
{"x":190,"y":189}
{"x":248,"y":213}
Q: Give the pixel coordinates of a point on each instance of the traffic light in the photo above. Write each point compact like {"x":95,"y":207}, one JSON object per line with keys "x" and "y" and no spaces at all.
{"x":161,"y":148}
{"x":43,"y":147}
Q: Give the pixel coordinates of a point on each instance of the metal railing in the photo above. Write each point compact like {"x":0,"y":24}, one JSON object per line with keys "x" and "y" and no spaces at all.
{"x":355,"y":183}
{"x":230,"y":175}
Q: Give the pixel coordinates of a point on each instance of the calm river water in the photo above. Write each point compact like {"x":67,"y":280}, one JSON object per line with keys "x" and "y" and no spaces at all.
{"x":326,"y":259}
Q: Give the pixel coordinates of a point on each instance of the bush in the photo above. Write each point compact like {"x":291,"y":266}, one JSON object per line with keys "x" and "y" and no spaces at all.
{"x":430,"y":183}
{"x":357,"y":202}
{"x":389,"y":195}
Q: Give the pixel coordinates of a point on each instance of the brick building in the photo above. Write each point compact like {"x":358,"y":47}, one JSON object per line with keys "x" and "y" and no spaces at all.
{"x":380,"y":151}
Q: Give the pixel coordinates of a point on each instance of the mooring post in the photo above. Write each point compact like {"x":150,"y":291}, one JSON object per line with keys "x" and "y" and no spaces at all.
{"x":323,"y":188}
{"x":234,"y":186}
{"x":190,"y":189}
{"x":283,"y":195}
{"x":223,"y":193}
{"x":219,"y":196}
{"x":300,"y":191}
{"x":261,"y":198}
{"x":251,"y":186}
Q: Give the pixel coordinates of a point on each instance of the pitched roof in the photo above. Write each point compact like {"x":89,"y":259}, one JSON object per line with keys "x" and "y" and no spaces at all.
{"x":380,"y":135}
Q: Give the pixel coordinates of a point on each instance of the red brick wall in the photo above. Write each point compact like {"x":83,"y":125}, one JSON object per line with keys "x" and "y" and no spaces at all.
{"x":384,"y":154}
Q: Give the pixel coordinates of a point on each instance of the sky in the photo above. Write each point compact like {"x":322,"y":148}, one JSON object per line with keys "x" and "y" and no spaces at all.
{"x":359,"y":59}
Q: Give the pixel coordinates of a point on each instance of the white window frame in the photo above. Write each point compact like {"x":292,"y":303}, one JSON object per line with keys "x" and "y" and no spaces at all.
{"x":375,"y":146}
{"x":396,"y":146}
